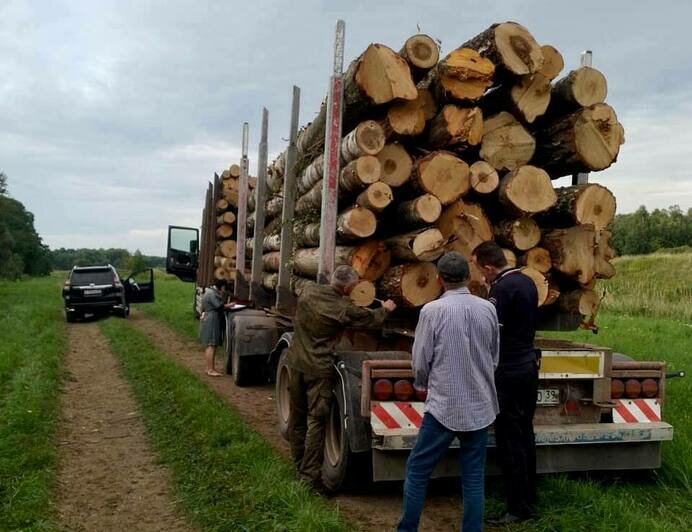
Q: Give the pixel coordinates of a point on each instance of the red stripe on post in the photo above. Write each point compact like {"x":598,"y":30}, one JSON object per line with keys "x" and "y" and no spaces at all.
{"x":646,"y":410}
{"x":384,"y":417}
{"x":625,"y":414}
{"x":411,"y":413}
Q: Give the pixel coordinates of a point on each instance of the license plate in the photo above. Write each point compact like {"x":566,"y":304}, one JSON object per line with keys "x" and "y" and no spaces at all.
{"x":548,"y":397}
{"x":92,"y":292}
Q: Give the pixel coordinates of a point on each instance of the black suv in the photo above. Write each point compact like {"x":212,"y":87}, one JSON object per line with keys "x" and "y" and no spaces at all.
{"x":98,"y":289}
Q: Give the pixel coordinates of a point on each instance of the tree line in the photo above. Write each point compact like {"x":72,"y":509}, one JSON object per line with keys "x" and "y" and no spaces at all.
{"x":64,"y":258}
{"x":643,"y":231}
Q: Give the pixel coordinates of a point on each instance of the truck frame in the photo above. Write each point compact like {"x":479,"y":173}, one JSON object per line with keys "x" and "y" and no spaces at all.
{"x":588,"y":417}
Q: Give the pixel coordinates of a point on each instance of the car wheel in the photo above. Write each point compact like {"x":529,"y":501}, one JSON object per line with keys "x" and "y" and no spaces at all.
{"x":123,"y":312}
{"x":283,"y":398}
{"x":70,"y":317}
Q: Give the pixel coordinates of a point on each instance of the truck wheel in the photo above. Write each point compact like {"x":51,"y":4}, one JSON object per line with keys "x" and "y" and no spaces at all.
{"x":342,"y":468}
{"x":283,"y":400}
{"x":242,"y":367}
{"x":228,"y":346}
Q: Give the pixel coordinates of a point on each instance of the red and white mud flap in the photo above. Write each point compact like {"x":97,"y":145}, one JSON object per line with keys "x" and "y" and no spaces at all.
{"x":391,"y":417}
{"x":637,"y":411}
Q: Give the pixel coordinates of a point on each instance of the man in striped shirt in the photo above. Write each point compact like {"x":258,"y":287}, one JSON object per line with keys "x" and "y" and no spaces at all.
{"x":455,"y":353}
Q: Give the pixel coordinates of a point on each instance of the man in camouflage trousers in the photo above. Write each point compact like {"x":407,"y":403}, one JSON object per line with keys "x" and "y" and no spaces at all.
{"x":322,"y":313}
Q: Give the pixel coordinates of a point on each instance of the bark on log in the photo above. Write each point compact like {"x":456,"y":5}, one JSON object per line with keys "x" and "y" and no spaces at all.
{"x":356,"y":222}
{"x":271,"y":261}
{"x":584,"y":302}
{"x":376,"y":197}
{"x":537,"y":258}
{"x":553,"y":291}
{"x":581,"y":204}
{"x":522,"y":233}
{"x":465,"y":226}
{"x":368,"y":138}
{"x":421,"y":52}
{"x":396,"y":164}
{"x":510,"y":47}
{"x":441,"y":174}
{"x":231,"y":199}
{"x":226,"y":218}
{"x":580,"y":252}
{"x":425,"y":209}
{"x":227,"y":248}
{"x":462,"y":76}
{"x":456,"y":126}
{"x":527,"y":190}
{"x":584,"y":141}
{"x":408,"y":118}
{"x":270,"y":281}
{"x":540,"y":281}
{"x":370,"y":260}
{"x":483,"y":177}
{"x":224,"y":231}
{"x":307,"y":234}
{"x":311,"y":175}
{"x":358,"y":174}
{"x":422,"y":245}
{"x":506,"y":144}
{"x":274,"y":206}
{"x":553,"y":63}
{"x":410,"y":285}
{"x":582,"y":87}
{"x":604,"y":254}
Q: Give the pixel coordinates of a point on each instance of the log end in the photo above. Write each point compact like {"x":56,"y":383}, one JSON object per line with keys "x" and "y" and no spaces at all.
{"x":419,"y":284}
{"x":484,"y":179}
{"x":383,"y":75}
{"x":540,"y":281}
{"x":443,"y":175}
{"x":589,"y":86}
{"x":520,"y":52}
{"x":421,"y":51}
{"x":595,"y":205}
{"x":396,"y":164}
{"x":363,"y":294}
{"x":598,"y":136}
{"x":527,"y":190}
{"x":553,"y":63}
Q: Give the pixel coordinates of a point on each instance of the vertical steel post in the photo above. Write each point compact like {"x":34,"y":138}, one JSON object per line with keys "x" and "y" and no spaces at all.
{"x":582,"y":178}
{"x":211,"y":232}
{"x":332,"y":144}
{"x":256,"y":290}
{"x":285,"y":301}
{"x":241,"y":289}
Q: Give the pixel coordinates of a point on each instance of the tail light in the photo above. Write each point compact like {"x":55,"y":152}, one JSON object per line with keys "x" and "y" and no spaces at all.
{"x":633,"y":388}
{"x":403,"y":390}
{"x":649,"y":388}
{"x":617,"y":388}
{"x":382,"y":390}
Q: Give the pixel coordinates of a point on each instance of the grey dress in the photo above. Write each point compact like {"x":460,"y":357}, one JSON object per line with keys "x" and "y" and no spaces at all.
{"x":212,"y":326}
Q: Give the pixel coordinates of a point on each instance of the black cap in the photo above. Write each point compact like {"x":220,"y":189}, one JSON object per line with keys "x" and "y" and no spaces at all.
{"x":453,"y":267}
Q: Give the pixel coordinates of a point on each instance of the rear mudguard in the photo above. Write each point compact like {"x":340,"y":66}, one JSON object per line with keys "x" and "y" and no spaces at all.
{"x":253,"y":332}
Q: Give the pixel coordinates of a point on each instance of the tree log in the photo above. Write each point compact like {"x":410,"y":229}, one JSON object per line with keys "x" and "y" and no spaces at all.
{"x":363,"y":294}
{"x":580,"y":252}
{"x":231,"y":199}
{"x":462,"y":76}
{"x":510,"y":47}
{"x":527,"y":190}
{"x":506,"y":144}
{"x":456,"y":126}
{"x":306,"y":234}
{"x":396,"y":164}
{"x":540,"y":281}
{"x":582,"y":87}
{"x":270,"y":281}
{"x":465,"y":226}
{"x":603,"y":255}
{"x":367,"y":138}
{"x":528,"y":97}
{"x":537,"y":258}
{"x":311,"y":175}
{"x":224,"y":262}
{"x":441,"y":174}
{"x":553,"y":63}
{"x":584,"y":141}
{"x":421,"y":52}
{"x":274,"y":206}
{"x":420,"y":245}
{"x":376,"y":197}
{"x":510,"y":257}
{"x":581,"y":204}
{"x":358,"y":174}
{"x":483,"y":177}
{"x":227,"y":248}
{"x":224,"y":231}
{"x":408,"y":118}
{"x":234,"y":170}
{"x":222,"y":204}
{"x":553,"y":291}
{"x":477,"y":284}
{"x":226,"y":218}
{"x":370,"y":260}
{"x":584,"y":302}
{"x":356,"y":222}
{"x":424,"y":209}
{"x":522,"y":233}
{"x":410,"y":285}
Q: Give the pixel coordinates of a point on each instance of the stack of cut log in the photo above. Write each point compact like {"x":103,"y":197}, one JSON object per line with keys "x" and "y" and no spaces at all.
{"x":446,"y":154}
{"x":226,"y":213}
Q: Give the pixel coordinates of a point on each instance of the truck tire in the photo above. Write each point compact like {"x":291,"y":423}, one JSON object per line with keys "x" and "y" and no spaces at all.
{"x":342,"y":468}
{"x":283,"y":401}
{"x":228,"y":346}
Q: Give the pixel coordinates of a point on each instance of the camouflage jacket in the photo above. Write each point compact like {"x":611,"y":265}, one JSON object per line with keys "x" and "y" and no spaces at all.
{"x":322,"y":314}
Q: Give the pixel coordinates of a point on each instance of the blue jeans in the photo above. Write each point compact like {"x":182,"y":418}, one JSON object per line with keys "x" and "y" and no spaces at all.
{"x":432,"y":443}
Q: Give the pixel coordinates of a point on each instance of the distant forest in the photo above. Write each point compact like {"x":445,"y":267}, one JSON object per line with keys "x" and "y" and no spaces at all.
{"x":643,"y":232}
{"x":64,"y":259}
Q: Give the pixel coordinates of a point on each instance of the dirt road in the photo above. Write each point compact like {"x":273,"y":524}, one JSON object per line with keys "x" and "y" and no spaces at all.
{"x":378,"y":509}
{"x":108,"y":478}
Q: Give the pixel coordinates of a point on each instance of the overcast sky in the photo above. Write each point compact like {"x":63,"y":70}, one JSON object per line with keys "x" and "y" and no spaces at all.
{"x":114,"y":114}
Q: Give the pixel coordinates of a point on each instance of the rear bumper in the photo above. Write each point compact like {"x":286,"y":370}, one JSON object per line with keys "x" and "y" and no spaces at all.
{"x":75,"y":306}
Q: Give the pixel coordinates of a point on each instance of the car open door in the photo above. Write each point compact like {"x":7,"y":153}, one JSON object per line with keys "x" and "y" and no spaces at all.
{"x":181,"y":255}
{"x":139,"y":287}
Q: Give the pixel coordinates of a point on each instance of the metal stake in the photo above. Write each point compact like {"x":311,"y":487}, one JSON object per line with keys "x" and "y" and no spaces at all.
{"x":285,"y":301}
{"x":256,"y":290}
{"x":240,"y":289}
{"x":582,"y":178}
{"x":330,"y":182}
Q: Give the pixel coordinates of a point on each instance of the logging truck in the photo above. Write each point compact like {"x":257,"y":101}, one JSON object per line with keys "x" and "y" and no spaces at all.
{"x":418,"y":173}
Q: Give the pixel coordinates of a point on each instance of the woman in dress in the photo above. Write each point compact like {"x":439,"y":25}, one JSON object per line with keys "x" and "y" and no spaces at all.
{"x":213,"y":323}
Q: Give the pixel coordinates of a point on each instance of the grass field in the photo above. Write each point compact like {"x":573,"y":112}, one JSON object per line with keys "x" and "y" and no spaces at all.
{"x":33,"y":341}
{"x":227,"y":477}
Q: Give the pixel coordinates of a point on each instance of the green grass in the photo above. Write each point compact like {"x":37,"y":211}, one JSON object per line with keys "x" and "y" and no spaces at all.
{"x":33,"y":341}
{"x":173,"y":304}
{"x":226,"y":475}
{"x":659,"y":284}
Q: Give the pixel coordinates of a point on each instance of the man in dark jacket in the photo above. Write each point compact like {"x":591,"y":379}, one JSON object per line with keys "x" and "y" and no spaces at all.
{"x":322,"y":313}
{"x":516,"y":300}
